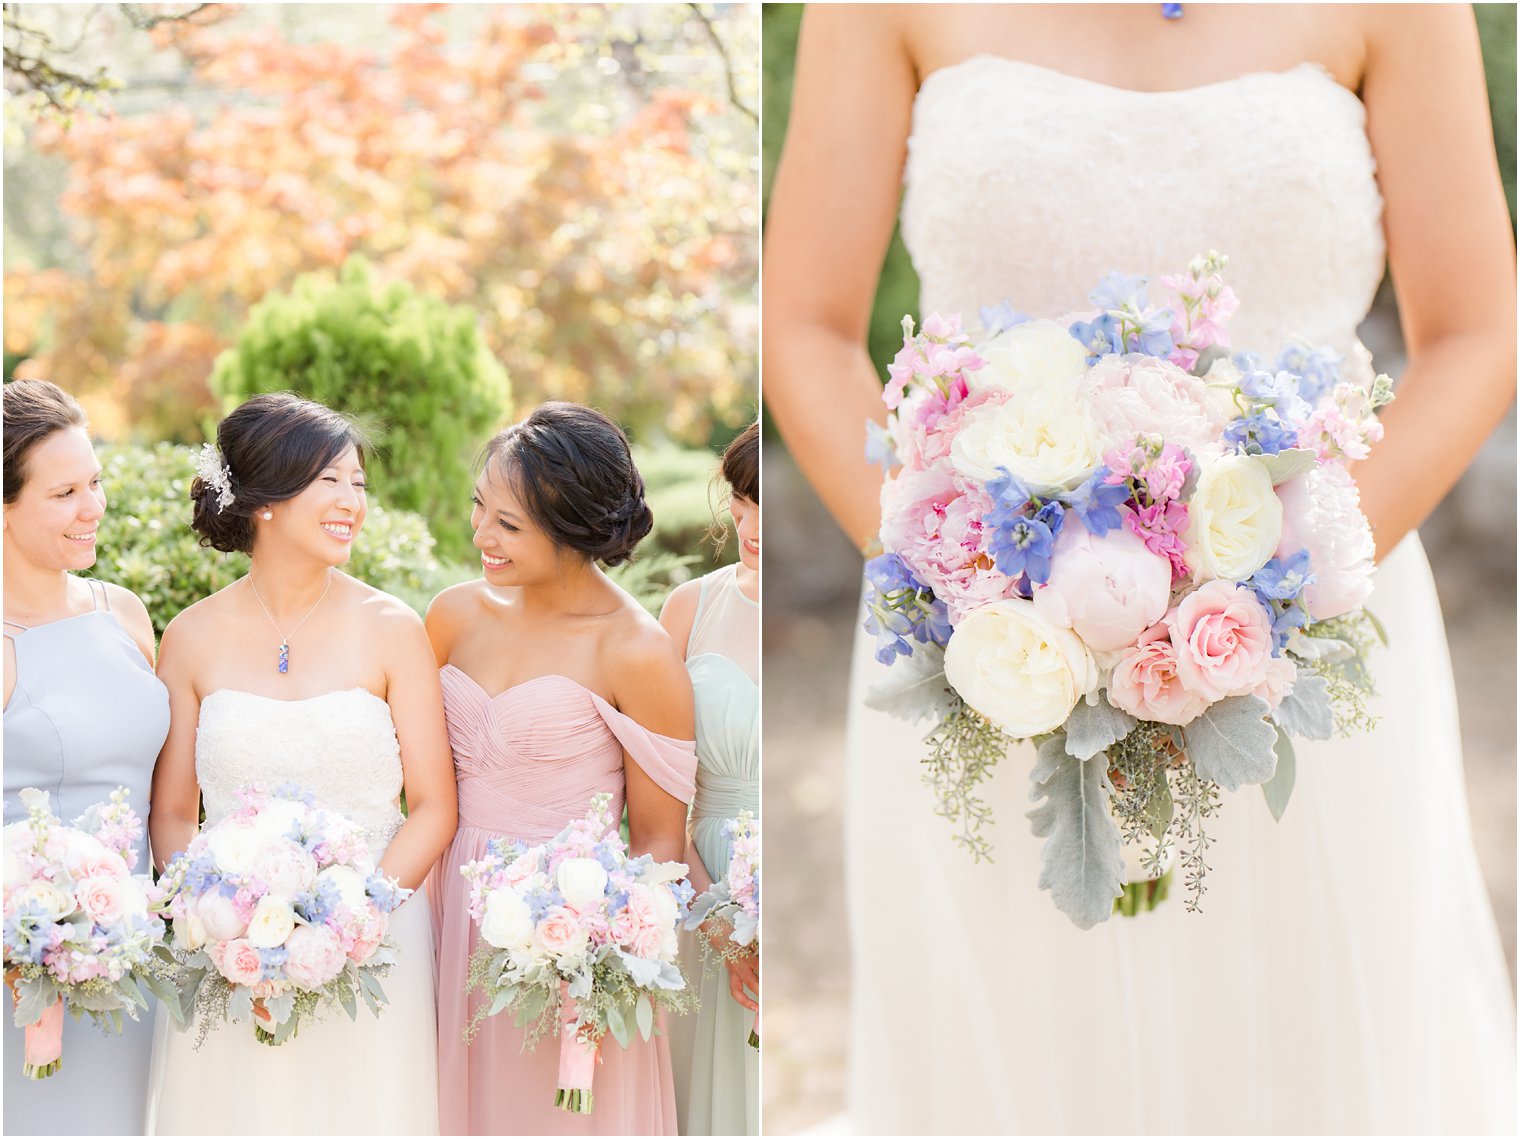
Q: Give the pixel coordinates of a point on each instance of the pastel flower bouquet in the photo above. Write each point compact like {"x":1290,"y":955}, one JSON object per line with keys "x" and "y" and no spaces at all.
{"x":1111,"y":537}
{"x":279,"y":903}
{"x":81,"y":930}
{"x":733,"y":903}
{"x":577,"y":936}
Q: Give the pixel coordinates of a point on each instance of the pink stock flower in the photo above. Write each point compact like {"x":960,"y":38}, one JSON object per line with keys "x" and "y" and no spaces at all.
{"x":1161,"y":528}
{"x":1146,"y":685}
{"x":1223,"y":639}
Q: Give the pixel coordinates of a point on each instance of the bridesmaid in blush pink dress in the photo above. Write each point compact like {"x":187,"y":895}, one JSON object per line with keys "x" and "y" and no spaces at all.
{"x":557,"y":685}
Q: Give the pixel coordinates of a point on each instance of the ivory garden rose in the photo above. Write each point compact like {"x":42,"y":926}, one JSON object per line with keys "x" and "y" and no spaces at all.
{"x":1032,"y":352}
{"x":1235,"y":519}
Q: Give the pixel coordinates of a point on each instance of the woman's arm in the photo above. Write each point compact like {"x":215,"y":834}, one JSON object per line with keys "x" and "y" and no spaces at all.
{"x":416,"y":699}
{"x":1451,"y":253}
{"x":650,"y":684}
{"x":831,"y":213}
{"x":175,"y":811}
{"x":133,"y":617}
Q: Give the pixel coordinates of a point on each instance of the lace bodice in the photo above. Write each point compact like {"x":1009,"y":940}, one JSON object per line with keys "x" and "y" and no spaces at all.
{"x":341,"y":746}
{"x":1029,"y":185}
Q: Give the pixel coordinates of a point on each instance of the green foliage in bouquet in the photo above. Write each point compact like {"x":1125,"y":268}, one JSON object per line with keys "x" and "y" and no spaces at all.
{"x":147,"y":546}
{"x":414,"y":372}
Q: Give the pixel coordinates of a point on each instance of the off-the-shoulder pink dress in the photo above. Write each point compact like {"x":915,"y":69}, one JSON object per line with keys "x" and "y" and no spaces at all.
{"x":528,"y":760}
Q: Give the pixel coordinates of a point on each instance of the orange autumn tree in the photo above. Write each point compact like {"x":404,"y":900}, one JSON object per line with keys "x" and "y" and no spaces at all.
{"x":583,"y":177}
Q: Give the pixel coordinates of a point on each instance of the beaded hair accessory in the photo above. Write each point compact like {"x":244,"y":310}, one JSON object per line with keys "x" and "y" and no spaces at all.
{"x":215,"y":474}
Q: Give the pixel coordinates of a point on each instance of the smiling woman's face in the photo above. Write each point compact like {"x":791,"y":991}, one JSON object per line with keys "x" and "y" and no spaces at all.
{"x":513,"y":550}
{"x":746,"y":515}
{"x":52,"y":522}
{"x":326,"y":517}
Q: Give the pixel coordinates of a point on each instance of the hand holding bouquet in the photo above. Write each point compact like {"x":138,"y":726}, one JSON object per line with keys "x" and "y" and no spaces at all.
{"x":80,"y":928}
{"x":279,"y":903}
{"x":1145,"y":555}
{"x":577,"y":934}
{"x":733,"y":904}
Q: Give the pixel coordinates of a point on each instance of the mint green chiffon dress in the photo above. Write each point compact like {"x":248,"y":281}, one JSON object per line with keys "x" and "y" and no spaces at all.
{"x":717,"y":1073}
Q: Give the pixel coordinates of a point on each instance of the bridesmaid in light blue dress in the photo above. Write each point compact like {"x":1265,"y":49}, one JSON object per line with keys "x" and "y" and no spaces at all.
{"x":84,"y":714}
{"x":716,"y":621}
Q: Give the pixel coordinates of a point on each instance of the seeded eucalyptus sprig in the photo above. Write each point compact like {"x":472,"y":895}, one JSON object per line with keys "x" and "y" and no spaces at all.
{"x":963,"y":750}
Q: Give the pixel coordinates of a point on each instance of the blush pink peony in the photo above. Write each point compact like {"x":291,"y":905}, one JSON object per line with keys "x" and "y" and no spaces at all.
{"x":1223,"y":638}
{"x":314,"y":956}
{"x":1107,"y":590}
{"x":1322,"y":514}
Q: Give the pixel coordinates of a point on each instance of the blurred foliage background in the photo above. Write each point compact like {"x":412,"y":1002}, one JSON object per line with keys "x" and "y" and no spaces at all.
{"x":430,"y":216}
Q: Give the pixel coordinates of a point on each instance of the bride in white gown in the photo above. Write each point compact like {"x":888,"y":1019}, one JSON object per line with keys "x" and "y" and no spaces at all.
{"x":1345,"y":974}
{"x":299,"y":674}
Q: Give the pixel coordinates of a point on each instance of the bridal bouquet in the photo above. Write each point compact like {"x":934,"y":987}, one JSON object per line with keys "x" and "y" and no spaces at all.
{"x":734,"y":902}
{"x":279,"y":903}
{"x":1112,"y":538}
{"x":80,"y":928}
{"x":578,"y":935}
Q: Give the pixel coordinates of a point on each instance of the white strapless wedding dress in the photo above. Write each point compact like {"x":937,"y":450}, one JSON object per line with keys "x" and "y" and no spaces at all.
{"x":1345,"y":974}
{"x":373,"y":1075}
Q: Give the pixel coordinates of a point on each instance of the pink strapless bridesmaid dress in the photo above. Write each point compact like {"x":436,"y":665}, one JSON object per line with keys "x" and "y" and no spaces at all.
{"x":528,"y":760}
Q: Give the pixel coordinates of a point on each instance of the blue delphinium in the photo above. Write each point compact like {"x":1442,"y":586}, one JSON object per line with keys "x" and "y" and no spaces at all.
{"x":1318,"y":369}
{"x":1260,"y":434}
{"x":540,"y":899}
{"x":1279,"y":586}
{"x":319,"y":902}
{"x":1118,"y":293}
{"x":1001,"y":317}
{"x":386,"y":894}
{"x":1096,"y":502}
{"x":879,"y":447}
{"x":272,"y":962}
{"x":899,"y":607}
{"x":1023,"y":547}
{"x":1275,"y":389}
{"x":1100,"y":336}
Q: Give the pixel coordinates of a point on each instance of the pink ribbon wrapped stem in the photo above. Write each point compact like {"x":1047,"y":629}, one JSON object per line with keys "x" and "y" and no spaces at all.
{"x":577,"y":1062}
{"x":44,"y":1044}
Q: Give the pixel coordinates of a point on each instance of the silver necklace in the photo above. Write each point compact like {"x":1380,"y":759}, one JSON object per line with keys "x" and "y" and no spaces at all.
{"x":284,"y":637}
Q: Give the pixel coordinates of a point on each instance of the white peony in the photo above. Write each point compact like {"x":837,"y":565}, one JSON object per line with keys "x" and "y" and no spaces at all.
{"x":507,"y":922}
{"x":665,"y":906}
{"x":1044,"y":436}
{"x":235,"y":844}
{"x":273,"y":919}
{"x":1036,"y":352}
{"x":659,"y":873}
{"x":1017,"y":669}
{"x":1322,"y":513}
{"x":582,"y":883}
{"x":220,"y":917}
{"x":1235,"y":519}
{"x":276,"y":817}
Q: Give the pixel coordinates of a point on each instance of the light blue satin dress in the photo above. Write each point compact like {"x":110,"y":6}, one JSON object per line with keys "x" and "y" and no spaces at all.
{"x":87,"y":716}
{"x":717,"y":1072}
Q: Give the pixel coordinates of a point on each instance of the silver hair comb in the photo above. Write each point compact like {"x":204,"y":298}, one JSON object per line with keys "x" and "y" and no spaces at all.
{"x":215,"y":474}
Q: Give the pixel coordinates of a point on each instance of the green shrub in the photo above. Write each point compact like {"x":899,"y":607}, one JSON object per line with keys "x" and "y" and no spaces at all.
{"x":413,"y":371}
{"x":684,"y":499}
{"x":146,"y":543}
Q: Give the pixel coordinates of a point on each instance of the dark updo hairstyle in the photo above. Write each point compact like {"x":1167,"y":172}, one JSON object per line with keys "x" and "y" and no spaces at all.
{"x":34,"y":409}
{"x":274,"y":446}
{"x":570,"y":467}
{"x":741,"y":463}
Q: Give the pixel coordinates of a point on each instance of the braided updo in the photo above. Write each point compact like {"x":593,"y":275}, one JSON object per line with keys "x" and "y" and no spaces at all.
{"x":274,"y":447}
{"x":572,"y":470}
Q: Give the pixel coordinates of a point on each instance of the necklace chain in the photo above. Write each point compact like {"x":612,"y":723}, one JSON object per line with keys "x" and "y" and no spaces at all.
{"x":284,"y":664}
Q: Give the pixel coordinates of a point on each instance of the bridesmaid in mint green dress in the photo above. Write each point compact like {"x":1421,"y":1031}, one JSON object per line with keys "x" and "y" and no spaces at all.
{"x":716,"y":621}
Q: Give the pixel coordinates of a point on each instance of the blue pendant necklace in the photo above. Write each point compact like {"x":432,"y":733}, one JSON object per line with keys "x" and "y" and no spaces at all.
{"x":284,"y":664}
{"x":1172,"y":11}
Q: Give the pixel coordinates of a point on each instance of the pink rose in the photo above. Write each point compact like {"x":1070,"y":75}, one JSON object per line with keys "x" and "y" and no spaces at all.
{"x":239,"y":962}
{"x":104,"y":900}
{"x":622,"y":928}
{"x":1223,"y":638}
{"x":314,"y":956}
{"x":560,"y":932}
{"x":221,"y":918}
{"x":1108,"y":590}
{"x":645,"y":911}
{"x":1146,"y":685}
{"x":100,"y":866}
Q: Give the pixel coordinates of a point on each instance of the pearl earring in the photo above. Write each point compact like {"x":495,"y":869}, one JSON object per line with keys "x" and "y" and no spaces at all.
{"x":267,"y":515}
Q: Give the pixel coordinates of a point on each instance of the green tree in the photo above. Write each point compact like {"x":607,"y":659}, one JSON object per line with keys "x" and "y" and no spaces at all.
{"x":412,"y":370}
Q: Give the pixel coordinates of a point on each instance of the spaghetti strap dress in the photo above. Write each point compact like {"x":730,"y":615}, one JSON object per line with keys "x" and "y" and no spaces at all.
{"x":87,"y":716}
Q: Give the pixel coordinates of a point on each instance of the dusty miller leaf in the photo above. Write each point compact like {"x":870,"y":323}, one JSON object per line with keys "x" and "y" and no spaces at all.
{"x":914,"y":688}
{"x":1081,"y":864}
{"x":1280,"y":786}
{"x":1305,"y":711}
{"x":1288,"y":464}
{"x":1093,"y":727}
{"x":1230,"y":743}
